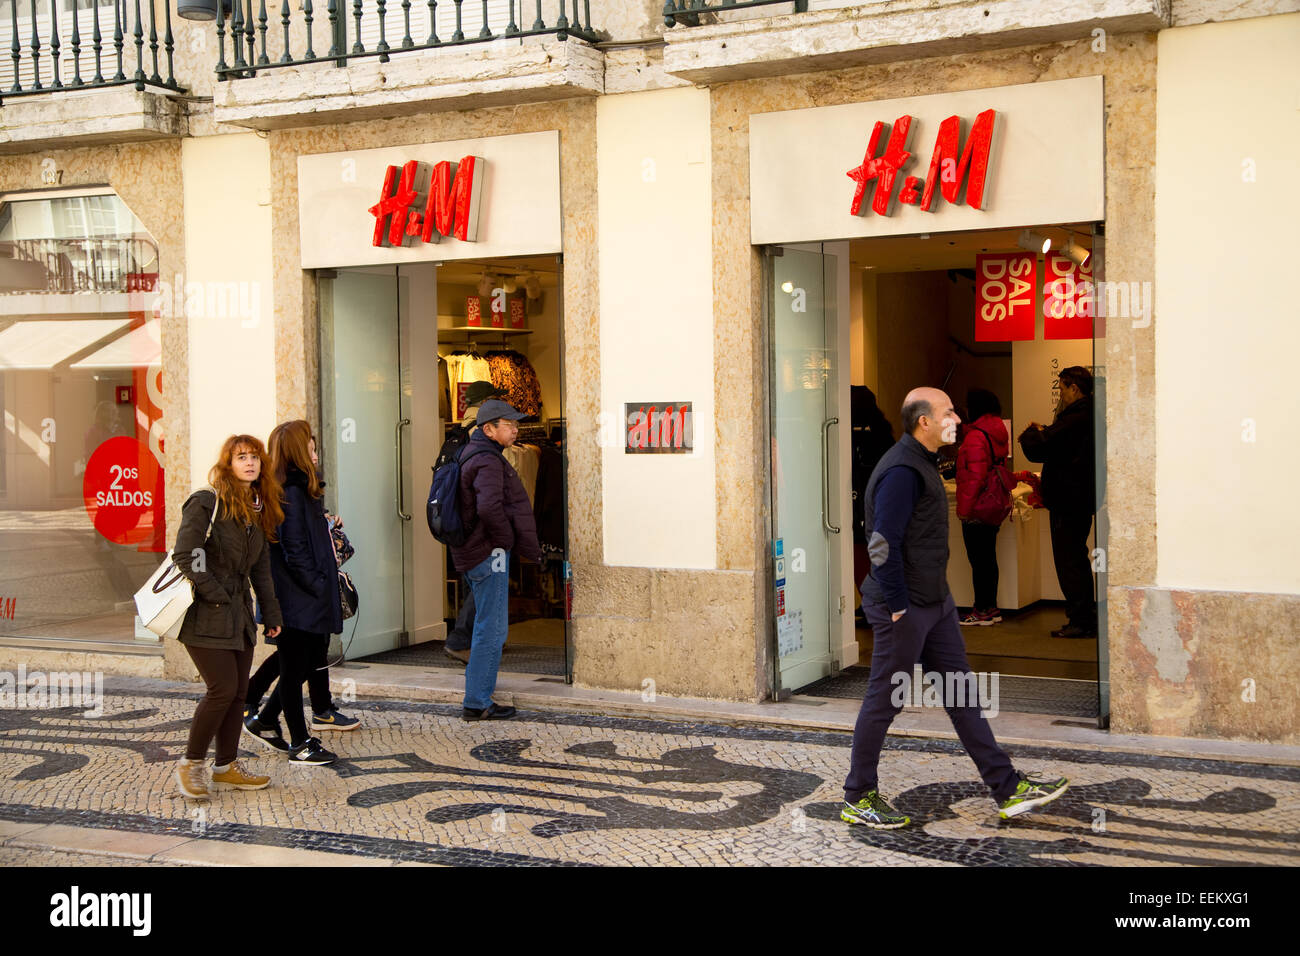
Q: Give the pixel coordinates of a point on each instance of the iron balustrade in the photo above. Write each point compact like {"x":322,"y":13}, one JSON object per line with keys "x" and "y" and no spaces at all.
{"x":362,"y":20}
{"x":91,"y":39}
{"x":85,"y":265}
{"x":687,"y":12}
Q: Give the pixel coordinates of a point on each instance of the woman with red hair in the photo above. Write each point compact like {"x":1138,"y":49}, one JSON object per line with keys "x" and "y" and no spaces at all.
{"x":219,"y":632}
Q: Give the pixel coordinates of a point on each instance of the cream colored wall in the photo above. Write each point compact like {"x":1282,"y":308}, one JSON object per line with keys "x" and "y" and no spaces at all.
{"x":656,"y":312}
{"x":227,"y":185}
{"x":1226,"y":331}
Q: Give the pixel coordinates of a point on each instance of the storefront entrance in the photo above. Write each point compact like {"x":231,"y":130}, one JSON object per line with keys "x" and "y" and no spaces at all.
{"x":853,"y":326}
{"x":399,"y":346}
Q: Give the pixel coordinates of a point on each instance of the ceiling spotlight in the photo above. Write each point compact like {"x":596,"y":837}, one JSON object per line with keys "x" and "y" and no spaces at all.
{"x":1078,"y":253}
{"x":510,"y":284}
{"x":1033,"y":242}
{"x":787,"y":287}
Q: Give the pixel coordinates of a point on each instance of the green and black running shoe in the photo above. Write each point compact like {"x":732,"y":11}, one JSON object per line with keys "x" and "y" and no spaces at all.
{"x":872,"y":811}
{"x":1031,"y":794}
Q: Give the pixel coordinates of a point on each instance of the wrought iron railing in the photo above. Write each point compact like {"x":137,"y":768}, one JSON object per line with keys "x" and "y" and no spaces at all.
{"x":67,"y":40}
{"x":687,"y":12}
{"x":82,"y":265}
{"x":365,"y":29}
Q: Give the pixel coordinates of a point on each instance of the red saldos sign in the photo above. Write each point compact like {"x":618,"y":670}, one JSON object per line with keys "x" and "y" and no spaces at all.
{"x":1068,"y":298}
{"x":1004,"y":296}
{"x":450,"y":208}
{"x":951,"y":164}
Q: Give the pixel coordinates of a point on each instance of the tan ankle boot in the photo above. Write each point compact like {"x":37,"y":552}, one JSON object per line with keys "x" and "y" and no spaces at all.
{"x":237,"y":777}
{"x":191,"y":779}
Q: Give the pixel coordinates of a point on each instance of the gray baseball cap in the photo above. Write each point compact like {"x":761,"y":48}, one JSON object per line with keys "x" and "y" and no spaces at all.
{"x":493,"y":409}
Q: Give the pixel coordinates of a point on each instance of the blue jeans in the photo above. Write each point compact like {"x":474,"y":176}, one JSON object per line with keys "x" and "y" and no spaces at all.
{"x":491,"y":601}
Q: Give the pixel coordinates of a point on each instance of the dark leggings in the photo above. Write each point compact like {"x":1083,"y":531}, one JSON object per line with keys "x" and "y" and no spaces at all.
{"x":318,"y":685}
{"x":220,"y":711}
{"x":299,"y":651}
{"x":982,"y":551}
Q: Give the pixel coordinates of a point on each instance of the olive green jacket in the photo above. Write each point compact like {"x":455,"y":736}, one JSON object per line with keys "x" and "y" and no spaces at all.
{"x":221,"y":568}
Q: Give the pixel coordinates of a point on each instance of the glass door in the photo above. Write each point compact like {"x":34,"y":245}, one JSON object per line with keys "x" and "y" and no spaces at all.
{"x":810,"y":511}
{"x":365,"y":417}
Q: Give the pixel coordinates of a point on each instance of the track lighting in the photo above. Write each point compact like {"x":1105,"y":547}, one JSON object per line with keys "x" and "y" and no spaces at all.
{"x":1034,"y":242}
{"x":1078,"y":253}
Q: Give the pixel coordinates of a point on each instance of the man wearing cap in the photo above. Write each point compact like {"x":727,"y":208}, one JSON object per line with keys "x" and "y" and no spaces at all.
{"x":495,"y":507}
{"x":459,"y":637}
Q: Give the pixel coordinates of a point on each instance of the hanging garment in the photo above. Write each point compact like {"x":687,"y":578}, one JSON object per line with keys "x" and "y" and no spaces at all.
{"x":524,"y":459}
{"x":463,"y":368}
{"x":444,"y":389}
{"x":548,"y":503}
{"x":513,"y":372}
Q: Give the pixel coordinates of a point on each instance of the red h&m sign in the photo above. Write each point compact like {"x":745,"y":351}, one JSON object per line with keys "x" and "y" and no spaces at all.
{"x":659,"y":428}
{"x":950,"y":165}
{"x":450,"y":208}
{"x":1068,"y":296}
{"x":1004,"y":296}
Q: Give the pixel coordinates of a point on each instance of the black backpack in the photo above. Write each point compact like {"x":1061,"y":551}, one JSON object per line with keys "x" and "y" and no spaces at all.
{"x":443,"y":507}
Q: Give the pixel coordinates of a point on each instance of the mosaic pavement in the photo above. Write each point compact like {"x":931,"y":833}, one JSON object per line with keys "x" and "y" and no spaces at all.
{"x":416,"y":783}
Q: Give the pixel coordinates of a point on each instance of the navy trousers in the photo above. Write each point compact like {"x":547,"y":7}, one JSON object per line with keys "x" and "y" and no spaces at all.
{"x":932,"y":636}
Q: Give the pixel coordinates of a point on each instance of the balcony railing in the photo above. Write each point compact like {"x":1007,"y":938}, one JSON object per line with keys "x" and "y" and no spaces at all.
{"x":70,"y":38}
{"x":369,"y":27}
{"x":65,"y":266}
{"x":687,"y":12}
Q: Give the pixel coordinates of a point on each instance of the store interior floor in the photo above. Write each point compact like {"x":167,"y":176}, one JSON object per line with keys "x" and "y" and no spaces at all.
{"x":534,"y":646}
{"x":1038,"y":673}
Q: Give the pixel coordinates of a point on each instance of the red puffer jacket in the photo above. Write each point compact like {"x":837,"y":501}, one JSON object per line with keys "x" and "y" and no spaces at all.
{"x":974,"y":459}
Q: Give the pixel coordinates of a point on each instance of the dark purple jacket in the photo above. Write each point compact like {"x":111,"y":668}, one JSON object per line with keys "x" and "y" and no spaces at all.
{"x":494,"y":504}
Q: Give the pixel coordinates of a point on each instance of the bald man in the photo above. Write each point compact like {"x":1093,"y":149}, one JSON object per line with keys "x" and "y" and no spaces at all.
{"x":913,"y":618}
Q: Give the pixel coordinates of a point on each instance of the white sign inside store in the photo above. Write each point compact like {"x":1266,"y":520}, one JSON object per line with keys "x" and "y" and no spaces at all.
{"x":1046,"y":164}
{"x":518,"y":214}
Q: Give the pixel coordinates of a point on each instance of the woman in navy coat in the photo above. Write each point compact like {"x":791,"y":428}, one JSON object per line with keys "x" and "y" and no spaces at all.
{"x":306,"y":580}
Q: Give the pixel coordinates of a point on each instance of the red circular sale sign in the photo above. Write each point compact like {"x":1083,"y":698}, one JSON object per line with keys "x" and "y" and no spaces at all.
{"x":123,"y":490}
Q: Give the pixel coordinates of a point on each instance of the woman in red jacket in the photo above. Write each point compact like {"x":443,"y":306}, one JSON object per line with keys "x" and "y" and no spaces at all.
{"x":985,"y":439}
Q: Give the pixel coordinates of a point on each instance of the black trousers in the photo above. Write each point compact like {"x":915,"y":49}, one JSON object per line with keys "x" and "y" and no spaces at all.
{"x":982,"y":552}
{"x":459,"y":637}
{"x":932,"y":636}
{"x":1074,"y":566}
{"x":318,"y":686}
{"x":299,"y":653}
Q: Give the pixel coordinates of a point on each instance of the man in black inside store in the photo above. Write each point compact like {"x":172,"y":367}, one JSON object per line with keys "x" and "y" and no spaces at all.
{"x":459,"y":637}
{"x":1066,"y":451}
{"x":913,"y":618}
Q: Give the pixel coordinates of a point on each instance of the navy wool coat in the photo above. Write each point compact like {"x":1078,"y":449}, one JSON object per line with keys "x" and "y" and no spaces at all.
{"x":302,"y":562}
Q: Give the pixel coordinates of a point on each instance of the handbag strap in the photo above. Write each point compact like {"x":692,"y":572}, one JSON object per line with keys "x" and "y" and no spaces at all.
{"x":216,"y":506}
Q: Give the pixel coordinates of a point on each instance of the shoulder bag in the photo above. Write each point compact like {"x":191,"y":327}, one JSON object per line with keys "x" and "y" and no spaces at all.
{"x":168,"y":594}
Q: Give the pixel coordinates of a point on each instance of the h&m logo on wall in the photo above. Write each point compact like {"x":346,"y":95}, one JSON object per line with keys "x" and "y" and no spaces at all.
{"x":664,"y":428}
{"x":951,"y":164}
{"x":451,"y":205}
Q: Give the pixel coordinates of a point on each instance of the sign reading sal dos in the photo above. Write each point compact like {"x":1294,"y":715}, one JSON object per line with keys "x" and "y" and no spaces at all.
{"x":452,"y":193}
{"x":664,"y":428}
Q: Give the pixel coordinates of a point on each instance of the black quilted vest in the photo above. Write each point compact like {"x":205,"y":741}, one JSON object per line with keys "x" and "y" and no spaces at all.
{"x":925,"y":542}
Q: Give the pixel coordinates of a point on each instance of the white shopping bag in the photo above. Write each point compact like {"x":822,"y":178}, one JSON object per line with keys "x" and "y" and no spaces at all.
{"x":168,"y":594}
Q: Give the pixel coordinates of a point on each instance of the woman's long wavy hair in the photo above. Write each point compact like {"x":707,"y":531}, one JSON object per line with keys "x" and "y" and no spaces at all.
{"x":236,"y":498}
{"x":290,"y":448}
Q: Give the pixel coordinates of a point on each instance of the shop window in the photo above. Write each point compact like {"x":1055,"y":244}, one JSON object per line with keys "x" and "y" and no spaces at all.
{"x":81,"y":452}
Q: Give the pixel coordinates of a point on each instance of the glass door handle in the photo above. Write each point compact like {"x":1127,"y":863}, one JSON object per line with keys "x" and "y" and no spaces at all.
{"x":826,"y":477}
{"x":401,"y":467}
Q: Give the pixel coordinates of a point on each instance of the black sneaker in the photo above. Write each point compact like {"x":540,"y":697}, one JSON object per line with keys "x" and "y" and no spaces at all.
{"x":492,"y":712}
{"x":311,"y":753}
{"x":268,"y":735}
